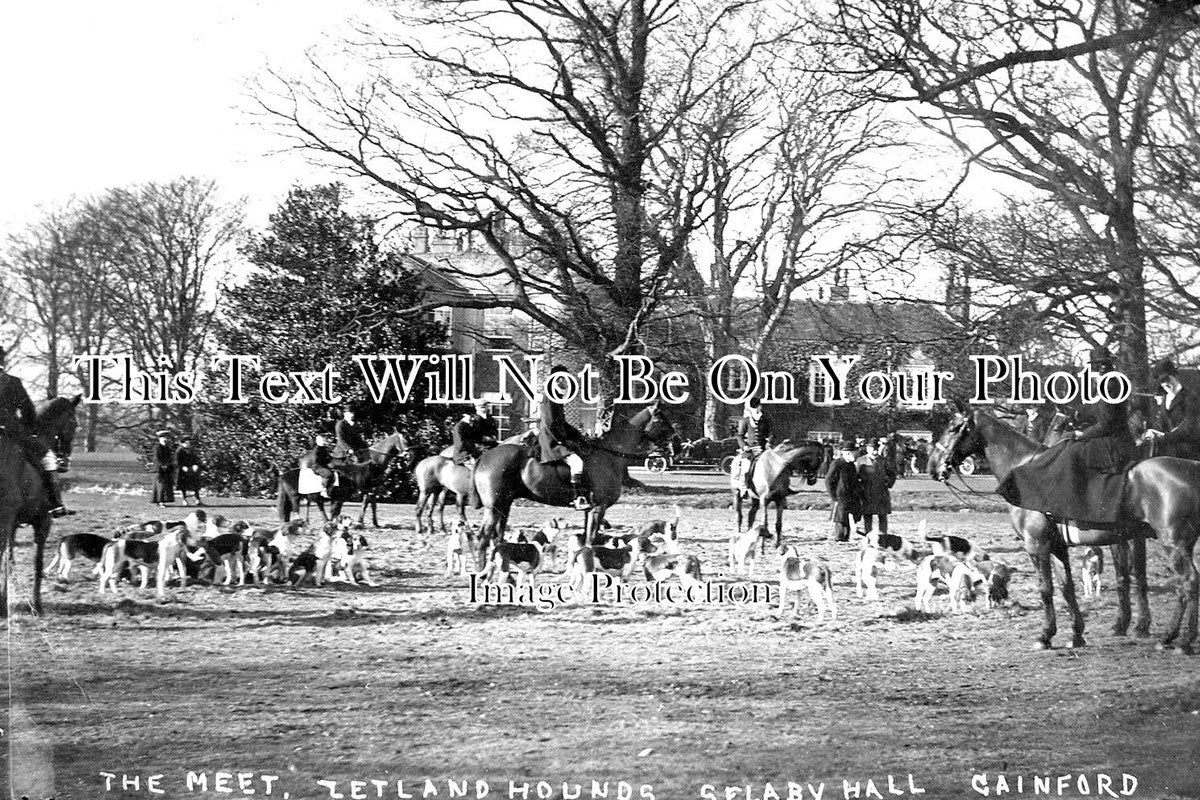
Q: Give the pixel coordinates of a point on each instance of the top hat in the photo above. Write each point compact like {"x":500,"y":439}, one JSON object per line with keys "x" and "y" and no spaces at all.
{"x":753,"y":402}
{"x":847,"y":444}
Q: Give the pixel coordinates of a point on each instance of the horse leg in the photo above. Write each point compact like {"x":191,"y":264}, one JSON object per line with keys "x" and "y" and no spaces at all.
{"x":1185,"y":598}
{"x":1120,"y":559}
{"x":41,"y":531}
{"x":737,"y":504}
{"x":779,"y":504}
{"x":1041,"y":565}
{"x":442,"y":499}
{"x":362,"y":512}
{"x":1140,"y":588}
{"x":1063,"y":553}
{"x":422,"y":499}
{"x":752,"y":512}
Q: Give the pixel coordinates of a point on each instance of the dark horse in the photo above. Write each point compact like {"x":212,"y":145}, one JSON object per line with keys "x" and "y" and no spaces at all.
{"x":508,"y":471}
{"x":352,"y":478}
{"x":770,"y":476}
{"x":1161,"y":500}
{"x":23,"y":498}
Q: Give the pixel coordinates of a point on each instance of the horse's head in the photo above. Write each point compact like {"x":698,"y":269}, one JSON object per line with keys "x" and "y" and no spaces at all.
{"x":648,"y":427}
{"x":56,"y":428}
{"x":960,"y":440}
{"x":804,"y":457}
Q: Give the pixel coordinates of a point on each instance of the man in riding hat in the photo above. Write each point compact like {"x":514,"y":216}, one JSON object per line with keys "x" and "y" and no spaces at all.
{"x":318,"y":460}
{"x":349,"y":438}
{"x":17,"y":418}
{"x":1176,"y":424}
{"x":473,"y":434}
{"x":1080,"y":478}
{"x":753,"y":436}
{"x":559,"y":440}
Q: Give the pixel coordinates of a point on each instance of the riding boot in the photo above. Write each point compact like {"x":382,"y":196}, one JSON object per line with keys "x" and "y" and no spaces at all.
{"x":57,"y":509}
{"x":582,"y":502}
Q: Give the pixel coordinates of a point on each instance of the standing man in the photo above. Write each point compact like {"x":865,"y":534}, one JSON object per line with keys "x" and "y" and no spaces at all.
{"x":187,"y":475}
{"x":876,"y":477}
{"x":350,"y":440}
{"x":17,"y":418}
{"x":845,"y":491}
{"x":164,"y":470}
{"x":754,"y":434}
{"x":559,"y":440}
{"x":318,"y":460}
{"x":1176,"y":425}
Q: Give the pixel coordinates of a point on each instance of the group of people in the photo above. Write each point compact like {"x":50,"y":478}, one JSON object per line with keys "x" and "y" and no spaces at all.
{"x":860,"y":484}
{"x":176,"y":468}
{"x":557,"y":440}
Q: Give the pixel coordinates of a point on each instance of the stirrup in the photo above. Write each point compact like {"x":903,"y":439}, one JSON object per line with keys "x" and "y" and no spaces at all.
{"x":582,"y":503}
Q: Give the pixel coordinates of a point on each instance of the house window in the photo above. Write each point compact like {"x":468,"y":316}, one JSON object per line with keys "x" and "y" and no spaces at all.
{"x":499,"y":412}
{"x":446,"y":317}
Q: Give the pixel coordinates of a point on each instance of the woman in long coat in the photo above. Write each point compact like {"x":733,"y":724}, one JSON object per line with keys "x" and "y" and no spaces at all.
{"x":845,"y":491}
{"x":188,"y":471}
{"x":164,"y":470}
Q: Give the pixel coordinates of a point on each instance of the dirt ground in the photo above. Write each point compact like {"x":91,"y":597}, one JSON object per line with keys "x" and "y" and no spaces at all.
{"x":348,"y":691}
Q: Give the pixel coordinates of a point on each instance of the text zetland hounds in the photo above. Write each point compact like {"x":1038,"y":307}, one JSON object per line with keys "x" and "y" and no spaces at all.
{"x":450,"y":379}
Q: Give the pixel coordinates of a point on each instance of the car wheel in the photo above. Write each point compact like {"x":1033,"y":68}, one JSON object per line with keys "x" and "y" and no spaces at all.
{"x":656,"y":464}
{"x":727,"y":464}
{"x":967,"y":467}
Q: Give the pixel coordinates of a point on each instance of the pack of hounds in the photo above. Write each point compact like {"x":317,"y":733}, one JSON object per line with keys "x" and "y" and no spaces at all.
{"x":947,"y":564}
{"x":203,"y":548}
{"x":209,"y":549}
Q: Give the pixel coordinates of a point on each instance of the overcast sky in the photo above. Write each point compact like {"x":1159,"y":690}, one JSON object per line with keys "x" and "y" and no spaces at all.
{"x":109,"y":94}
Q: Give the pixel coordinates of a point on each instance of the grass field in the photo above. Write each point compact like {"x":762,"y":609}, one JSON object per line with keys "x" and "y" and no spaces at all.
{"x":347,"y":691}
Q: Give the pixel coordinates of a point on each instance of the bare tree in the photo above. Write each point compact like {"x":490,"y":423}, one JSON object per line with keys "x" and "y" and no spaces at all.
{"x":164,"y":249}
{"x":1074,"y":128}
{"x":786,"y":155}
{"x":541,"y":128}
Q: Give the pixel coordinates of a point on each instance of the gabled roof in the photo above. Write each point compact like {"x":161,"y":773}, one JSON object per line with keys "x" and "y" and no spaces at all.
{"x":465,"y":275}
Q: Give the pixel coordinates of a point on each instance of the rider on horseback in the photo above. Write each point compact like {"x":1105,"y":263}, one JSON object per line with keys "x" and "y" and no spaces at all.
{"x":1080,"y":478}
{"x":318,"y":460}
{"x":1176,"y":427}
{"x":17,"y":416}
{"x":350,"y":441}
{"x":561,"y":441}
{"x":473,"y":434}
{"x":753,"y":436}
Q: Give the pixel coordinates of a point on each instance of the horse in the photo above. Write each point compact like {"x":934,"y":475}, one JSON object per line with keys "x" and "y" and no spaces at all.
{"x":509,"y":471}
{"x":351,"y":478}
{"x":23,"y":498}
{"x":1161,"y":500}
{"x":437,"y":476}
{"x":770,"y":476}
